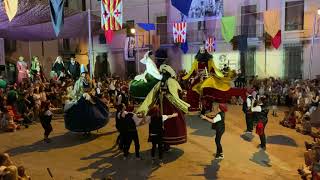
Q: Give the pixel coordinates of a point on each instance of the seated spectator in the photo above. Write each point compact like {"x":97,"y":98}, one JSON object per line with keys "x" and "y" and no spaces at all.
{"x":8,"y":123}
{"x":306,"y":126}
{"x":289,"y":120}
{"x":7,"y":169}
{"x":22,"y":174}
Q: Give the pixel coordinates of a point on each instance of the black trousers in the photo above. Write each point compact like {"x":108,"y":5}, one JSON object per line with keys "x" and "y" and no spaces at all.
{"x":120,"y":140}
{"x":129,"y":137}
{"x":219,"y":133}
{"x":157,"y":141}
{"x":263,"y":139}
{"x":47,"y":128}
{"x":249,"y":122}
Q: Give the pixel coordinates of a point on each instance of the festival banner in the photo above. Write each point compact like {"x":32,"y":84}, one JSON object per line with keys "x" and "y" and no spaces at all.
{"x":180,"y":32}
{"x":57,"y":15}
{"x":11,"y":7}
{"x":111,"y":15}
{"x":210,"y":44}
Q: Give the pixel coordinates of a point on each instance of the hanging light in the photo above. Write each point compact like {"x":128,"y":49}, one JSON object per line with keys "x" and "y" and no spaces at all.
{"x":319,"y":11}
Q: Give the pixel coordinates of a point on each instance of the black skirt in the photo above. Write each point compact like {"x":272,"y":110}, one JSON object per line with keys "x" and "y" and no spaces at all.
{"x":85,"y":116}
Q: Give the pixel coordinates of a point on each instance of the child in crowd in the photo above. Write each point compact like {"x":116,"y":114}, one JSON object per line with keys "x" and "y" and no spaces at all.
{"x":45,"y":119}
{"x":22,"y":174}
{"x":219,"y":125}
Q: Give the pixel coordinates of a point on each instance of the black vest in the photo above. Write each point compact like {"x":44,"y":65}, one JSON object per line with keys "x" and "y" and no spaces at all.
{"x":156,"y":126}
{"x":220,"y":124}
{"x":130,"y":124}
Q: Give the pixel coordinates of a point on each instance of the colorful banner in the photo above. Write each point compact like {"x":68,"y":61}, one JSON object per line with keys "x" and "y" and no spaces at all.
{"x":180,"y":32}
{"x":111,"y":15}
{"x":147,"y":27}
{"x":57,"y":15}
{"x":182,"y":6}
{"x":272,"y":22}
{"x":11,"y":7}
{"x":228,"y":27}
{"x":210,"y":44}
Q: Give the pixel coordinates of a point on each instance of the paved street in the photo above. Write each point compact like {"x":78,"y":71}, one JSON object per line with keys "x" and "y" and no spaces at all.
{"x":72,"y":156}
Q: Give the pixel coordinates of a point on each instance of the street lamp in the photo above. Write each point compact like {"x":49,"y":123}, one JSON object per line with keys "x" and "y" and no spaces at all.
{"x":132,"y":31}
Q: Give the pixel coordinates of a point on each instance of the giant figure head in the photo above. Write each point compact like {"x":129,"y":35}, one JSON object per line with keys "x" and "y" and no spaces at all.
{"x":203,"y":55}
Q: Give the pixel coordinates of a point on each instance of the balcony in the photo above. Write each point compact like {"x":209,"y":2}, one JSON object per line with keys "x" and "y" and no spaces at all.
{"x":196,"y":36}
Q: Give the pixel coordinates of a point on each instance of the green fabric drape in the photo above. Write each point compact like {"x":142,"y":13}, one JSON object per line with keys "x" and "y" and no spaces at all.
{"x":228,"y":27}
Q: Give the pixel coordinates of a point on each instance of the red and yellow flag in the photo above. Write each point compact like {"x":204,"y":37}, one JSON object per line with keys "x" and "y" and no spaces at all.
{"x":111,"y":14}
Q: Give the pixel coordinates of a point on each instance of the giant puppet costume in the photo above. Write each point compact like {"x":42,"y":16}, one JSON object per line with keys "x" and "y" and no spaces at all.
{"x":205,"y":75}
{"x":34,"y":68}
{"x":73,"y":68}
{"x":58,"y":67}
{"x":22,"y":68}
{"x":166,"y":94}
{"x":85,"y":113}
{"x":143,"y":83}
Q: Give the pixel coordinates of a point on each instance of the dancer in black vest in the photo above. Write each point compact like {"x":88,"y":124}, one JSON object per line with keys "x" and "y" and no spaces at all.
{"x":219,"y":126}
{"x":260,"y":113}
{"x":156,"y":130}
{"x":120,"y":126}
{"x":130,"y":132}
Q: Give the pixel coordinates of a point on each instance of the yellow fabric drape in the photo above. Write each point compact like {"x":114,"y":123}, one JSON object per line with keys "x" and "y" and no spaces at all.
{"x":211,"y":66}
{"x":11,"y":7}
{"x":272,"y":22}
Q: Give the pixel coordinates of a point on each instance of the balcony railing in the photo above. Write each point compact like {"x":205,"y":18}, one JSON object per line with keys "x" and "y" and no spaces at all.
{"x":200,"y":35}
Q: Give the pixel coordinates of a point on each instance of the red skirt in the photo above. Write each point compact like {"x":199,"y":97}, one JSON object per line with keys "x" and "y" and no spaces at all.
{"x":175,"y":129}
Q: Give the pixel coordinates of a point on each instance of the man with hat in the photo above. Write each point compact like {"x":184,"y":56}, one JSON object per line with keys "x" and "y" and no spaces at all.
{"x":218,"y":125}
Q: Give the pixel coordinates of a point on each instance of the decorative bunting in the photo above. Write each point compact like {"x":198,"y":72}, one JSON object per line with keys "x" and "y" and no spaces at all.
{"x":182,"y":5}
{"x":228,"y":27}
{"x":184,"y":47}
{"x":180,"y":32}
{"x":147,"y":27}
{"x":11,"y":7}
{"x":111,"y":15}
{"x":211,"y":44}
{"x":272,"y":22}
{"x":57,"y":15}
{"x":276,"y":41}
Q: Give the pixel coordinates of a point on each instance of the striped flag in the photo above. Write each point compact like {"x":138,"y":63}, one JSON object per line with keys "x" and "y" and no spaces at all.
{"x":211,"y":44}
{"x":111,"y":15}
{"x":180,"y":32}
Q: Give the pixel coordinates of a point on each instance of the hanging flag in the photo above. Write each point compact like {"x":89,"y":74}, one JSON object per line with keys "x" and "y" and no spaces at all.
{"x":182,"y":5}
{"x":271,"y":22}
{"x":57,"y":15}
{"x":211,"y":44}
{"x":228,"y":27}
{"x":111,"y":14}
{"x":184,"y":47}
{"x":276,"y":41}
{"x":11,"y":7}
{"x":147,"y":27}
{"x":180,"y":32}
{"x":108,"y":34}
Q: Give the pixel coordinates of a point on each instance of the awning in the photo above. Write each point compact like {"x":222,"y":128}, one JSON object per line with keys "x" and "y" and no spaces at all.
{"x":33,"y":23}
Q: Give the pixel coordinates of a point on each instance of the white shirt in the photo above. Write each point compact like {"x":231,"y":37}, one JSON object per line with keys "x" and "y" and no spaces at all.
{"x":249,"y":102}
{"x":216,"y":119}
{"x":256,"y":109}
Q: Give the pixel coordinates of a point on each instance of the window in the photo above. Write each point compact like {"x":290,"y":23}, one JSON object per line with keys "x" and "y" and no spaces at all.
{"x":247,"y":62}
{"x":201,"y":25}
{"x":162,"y":29}
{"x":66,"y":3}
{"x":249,"y":20}
{"x":293,"y":61}
{"x":102,"y":39}
{"x":294,"y":15}
{"x":66,"y":44}
{"x":84,"y":5}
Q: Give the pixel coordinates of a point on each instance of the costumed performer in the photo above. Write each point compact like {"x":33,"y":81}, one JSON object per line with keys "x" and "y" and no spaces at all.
{"x":35,"y":68}
{"x":73,"y":68}
{"x":58,"y":67}
{"x":86,"y":112}
{"x":166,"y":94}
{"x":22,"y":67}
{"x":143,"y":83}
